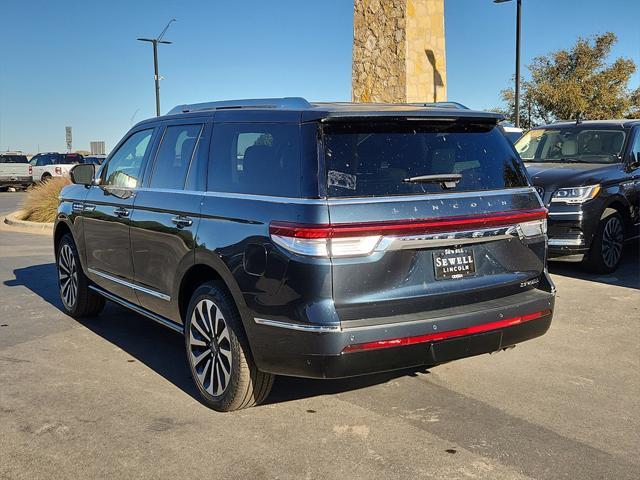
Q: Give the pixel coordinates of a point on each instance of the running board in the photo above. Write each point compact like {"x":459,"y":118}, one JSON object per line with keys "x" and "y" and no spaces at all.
{"x":138,"y":309}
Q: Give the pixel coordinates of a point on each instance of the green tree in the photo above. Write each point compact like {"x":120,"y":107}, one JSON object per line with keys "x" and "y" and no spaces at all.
{"x":579,"y":81}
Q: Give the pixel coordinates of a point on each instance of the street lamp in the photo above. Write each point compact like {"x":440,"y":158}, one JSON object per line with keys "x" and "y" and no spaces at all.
{"x":518,"y":17}
{"x":155,"y":42}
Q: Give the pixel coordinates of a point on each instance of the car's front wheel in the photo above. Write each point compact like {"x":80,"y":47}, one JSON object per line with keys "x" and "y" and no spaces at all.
{"x":606,"y":249}
{"x":218,"y":353}
{"x":77,"y":298}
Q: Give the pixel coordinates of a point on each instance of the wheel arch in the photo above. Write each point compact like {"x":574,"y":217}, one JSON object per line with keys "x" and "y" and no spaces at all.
{"x":618,"y":205}
{"x":207,"y":268}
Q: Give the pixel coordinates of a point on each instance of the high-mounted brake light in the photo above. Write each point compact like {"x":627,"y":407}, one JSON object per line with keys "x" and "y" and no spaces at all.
{"x":434,"y":337}
{"x":353,"y":239}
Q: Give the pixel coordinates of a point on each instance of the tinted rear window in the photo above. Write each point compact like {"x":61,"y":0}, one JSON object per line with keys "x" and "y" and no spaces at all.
{"x":260,"y":159}
{"x":13,"y":159}
{"x":367,"y":160}
{"x":69,"y":159}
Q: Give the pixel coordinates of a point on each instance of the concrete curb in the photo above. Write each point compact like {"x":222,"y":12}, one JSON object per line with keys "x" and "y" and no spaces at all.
{"x":13,"y":220}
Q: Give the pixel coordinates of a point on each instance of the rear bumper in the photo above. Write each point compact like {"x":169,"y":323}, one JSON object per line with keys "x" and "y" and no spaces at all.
{"x":7,"y":181}
{"x":282,"y":350}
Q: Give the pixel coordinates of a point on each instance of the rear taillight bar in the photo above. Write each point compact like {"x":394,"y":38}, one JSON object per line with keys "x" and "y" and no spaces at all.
{"x":435,"y":337}
{"x":357,"y":239}
{"x":406,"y":227}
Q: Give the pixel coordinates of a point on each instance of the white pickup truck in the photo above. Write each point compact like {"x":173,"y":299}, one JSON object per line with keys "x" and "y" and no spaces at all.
{"x":52,"y":164}
{"x":15,"y":170}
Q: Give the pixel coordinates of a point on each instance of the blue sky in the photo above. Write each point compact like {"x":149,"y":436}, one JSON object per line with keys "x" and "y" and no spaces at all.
{"x":77,"y":62}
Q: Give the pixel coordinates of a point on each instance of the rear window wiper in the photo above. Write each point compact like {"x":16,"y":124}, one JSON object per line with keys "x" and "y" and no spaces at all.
{"x":446,"y":180}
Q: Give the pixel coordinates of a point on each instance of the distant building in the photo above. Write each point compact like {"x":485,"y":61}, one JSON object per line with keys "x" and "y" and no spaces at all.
{"x":97,"y":148}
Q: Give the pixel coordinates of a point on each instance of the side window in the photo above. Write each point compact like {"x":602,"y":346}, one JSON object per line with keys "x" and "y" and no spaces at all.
{"x":635,"y":148}
{"x":123,"y":169}
{"x":261,"y":159}
{"x":174,"y":156}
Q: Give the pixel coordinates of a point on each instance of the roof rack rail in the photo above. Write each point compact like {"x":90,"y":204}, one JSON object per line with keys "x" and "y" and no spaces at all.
{"x":289,"y":103}
{"x":442,"y":105}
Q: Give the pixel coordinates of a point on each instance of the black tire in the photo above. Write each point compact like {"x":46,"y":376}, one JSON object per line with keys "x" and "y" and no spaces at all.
{"x":221,"y":364}
{"x":607,"y":245}
{"x":45,"y":177}
{"x":78,"y":300}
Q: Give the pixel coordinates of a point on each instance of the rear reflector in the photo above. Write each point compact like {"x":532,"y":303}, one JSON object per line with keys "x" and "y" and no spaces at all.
{"x":352,"y":239}
{"x":434,"y":337}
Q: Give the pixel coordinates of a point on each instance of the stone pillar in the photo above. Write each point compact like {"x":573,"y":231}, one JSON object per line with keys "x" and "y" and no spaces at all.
{"x":398,"y":51}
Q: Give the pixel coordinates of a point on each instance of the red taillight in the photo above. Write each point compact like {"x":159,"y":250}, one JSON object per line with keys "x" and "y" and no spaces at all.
{"x":434,"y":337}
{"x":58,"y":170}
{"x":446,"y":224}
{"x":30,"y":170}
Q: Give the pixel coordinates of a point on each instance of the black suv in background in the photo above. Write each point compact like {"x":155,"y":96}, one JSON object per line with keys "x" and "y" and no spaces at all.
{"x":318,"y":240}
{"x":588,"y":175}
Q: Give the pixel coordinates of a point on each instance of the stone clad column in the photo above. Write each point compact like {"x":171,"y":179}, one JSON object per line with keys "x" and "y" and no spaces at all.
{"x":398,"y":51}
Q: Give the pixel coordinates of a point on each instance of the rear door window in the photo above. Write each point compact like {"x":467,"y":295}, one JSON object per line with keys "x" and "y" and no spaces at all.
{"x":379,"y":159}
{"x":174,"y":156}
{"x":260,"y":159}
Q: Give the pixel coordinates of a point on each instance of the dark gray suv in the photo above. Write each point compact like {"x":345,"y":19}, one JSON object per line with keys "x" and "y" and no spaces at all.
{"x":318,"y":240}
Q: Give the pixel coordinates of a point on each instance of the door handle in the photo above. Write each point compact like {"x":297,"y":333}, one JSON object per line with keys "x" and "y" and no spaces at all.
{"x":121,"y":212}
{"x":182,"y":221}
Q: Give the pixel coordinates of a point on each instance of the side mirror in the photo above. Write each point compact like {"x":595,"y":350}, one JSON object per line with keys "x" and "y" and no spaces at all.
{"x":83,"y":173}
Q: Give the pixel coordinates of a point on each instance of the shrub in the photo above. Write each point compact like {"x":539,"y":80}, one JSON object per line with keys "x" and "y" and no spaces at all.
{"x":41,"y":204}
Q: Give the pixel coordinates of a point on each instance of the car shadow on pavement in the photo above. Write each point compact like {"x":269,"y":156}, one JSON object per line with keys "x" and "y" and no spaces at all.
{"x":40,"y":279}
{"x":627,"y":274}
{"x":162,"y":350}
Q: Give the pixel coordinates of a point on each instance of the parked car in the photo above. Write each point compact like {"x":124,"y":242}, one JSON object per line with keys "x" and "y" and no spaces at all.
{"x":15,"y":170}
{"x":588,"y":175}
{"x":310,"y":239}
{"x":52,"y":164}
{"x":95,"y":159}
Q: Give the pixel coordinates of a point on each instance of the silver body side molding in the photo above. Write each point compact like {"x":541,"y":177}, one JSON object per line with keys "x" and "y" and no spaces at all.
{"x":135,"y":308}
{"x":139,"y":288}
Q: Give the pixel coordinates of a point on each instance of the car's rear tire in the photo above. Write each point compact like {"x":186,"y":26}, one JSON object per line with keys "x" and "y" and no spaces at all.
{"x":218,"y":353}
{"x":607,"y":245}
{"x":45,"y":177}
{"x":78,"y":300}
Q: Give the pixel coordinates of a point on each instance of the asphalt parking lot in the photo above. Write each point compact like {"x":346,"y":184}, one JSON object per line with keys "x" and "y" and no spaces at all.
{"x":111,"y":397}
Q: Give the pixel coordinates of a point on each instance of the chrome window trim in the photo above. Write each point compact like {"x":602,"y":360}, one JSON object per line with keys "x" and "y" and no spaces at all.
{"x":139,"y":288}
{"x":297,"y":326}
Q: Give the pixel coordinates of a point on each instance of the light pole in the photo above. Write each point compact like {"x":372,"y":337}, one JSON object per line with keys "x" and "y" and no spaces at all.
{"x":155,"y":42}
{"x":517,"y":88}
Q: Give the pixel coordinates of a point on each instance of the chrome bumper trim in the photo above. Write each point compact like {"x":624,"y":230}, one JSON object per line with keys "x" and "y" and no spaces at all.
{"x":297,"y":326}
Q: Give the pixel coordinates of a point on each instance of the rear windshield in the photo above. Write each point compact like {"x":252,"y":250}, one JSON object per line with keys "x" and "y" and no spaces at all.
{"x":68,"y":159}
{"x":368,"y":160}
{"x":13,"y":159}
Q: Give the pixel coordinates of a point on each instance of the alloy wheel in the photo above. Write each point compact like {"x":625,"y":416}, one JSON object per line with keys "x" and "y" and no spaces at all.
{"x":612,"y":241}
{"x":210,"y":347}
{"x":68,"y":276}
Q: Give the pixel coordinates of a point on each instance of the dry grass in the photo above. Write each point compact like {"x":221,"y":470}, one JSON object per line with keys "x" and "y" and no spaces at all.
{"x":41,"y":204}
